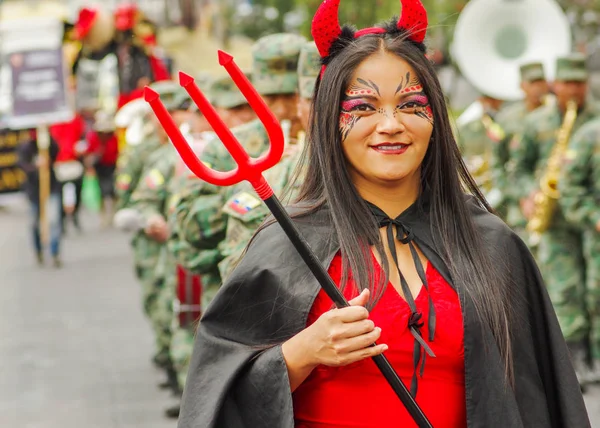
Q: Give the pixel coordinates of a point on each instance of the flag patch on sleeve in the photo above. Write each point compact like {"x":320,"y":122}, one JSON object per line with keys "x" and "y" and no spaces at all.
{"x":243,"y":203}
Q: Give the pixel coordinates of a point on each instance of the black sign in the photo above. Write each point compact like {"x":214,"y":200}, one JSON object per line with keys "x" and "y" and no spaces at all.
{"x":11,"y":176}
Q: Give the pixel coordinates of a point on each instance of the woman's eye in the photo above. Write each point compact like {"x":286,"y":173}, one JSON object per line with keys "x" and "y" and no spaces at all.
{"x":356,"y":106}
{"x":417,"y":101}
{"x":411,"y":105}
{"x":363,"y":107}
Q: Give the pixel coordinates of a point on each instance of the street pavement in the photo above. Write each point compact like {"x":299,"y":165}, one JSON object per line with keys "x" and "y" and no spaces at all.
{"x":75,"y":348}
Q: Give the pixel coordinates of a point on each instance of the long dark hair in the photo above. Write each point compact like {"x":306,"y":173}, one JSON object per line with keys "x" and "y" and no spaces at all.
{"x":443,"y":174}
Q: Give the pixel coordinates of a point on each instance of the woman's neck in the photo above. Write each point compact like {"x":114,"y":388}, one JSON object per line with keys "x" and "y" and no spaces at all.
{"x":393,"y":199}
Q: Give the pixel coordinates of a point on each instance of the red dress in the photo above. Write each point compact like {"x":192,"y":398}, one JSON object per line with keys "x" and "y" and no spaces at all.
{"x":358,"y":395}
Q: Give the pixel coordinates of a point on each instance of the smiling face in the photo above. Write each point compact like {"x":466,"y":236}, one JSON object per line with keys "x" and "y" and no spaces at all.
{"x":385,"y":122}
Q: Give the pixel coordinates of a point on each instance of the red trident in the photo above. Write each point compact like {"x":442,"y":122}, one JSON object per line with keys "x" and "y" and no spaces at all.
{"x":251,"y":170}
{"x":247,"y":168}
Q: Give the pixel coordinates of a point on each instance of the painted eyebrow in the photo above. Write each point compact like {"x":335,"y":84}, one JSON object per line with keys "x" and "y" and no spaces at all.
{"x":407,"y":82}
{"x":374,"y":98}
{"x":359,"y":97}
{"x":369,"y":84}
{"x":412,"y":94}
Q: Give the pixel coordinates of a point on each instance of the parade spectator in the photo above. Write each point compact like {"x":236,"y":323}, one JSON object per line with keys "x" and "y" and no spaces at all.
{"x":102,"y":154}
{"x":31,"y":162}
{"x":70,"y":137}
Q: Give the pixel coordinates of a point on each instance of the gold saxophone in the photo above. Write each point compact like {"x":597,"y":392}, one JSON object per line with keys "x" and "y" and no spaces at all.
{"x":546,"y":200}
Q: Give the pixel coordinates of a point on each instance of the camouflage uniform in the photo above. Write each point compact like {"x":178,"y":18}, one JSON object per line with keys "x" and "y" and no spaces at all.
{"x":477,"y":140}
{"x":149,"y":199}
{"x":246,"y":212}
{"x":156,"y":270}
{"x":224,"y":93}
{"x":193,"y":240}
{"x":580,"y":200}
{"x":198,"y":226}
{"x":560,"y":253}
{"x":274,"y":72}
{"x":192,"y":244}
{"x":512,"y":119}
{"x":244,"y":208}
{"x":200,"y":221}
{"x":129,"y":169}
{"x":132,"y":159}
{"x":309,"y":67}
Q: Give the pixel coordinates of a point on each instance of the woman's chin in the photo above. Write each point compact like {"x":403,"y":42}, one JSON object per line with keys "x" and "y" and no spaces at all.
{"x":391,"y":177}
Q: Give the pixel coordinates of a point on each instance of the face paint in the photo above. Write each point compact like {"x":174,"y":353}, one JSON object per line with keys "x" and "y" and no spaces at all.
{"x":367,"y":121}
{"x":354,"y":103}
{"x":408,"y":84}
{"x":351,"y":104}
{"x":347,"y":122}
{"x":417,"y":103}
{"x":369,"y":84}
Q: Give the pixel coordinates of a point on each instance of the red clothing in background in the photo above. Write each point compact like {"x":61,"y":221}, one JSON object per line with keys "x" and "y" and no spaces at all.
{"x":106,"y":151}
{"x":67,"y":135}
{"x":359,"y":396}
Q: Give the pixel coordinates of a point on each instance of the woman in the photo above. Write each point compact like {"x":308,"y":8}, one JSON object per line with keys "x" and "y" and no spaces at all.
{"x":449,"y":293}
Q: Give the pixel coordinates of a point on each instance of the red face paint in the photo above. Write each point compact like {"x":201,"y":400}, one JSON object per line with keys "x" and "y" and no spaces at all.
{"x":350,"y":105}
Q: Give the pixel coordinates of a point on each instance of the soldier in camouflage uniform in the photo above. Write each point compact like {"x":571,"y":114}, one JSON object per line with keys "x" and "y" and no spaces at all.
{"x":512,"y":118}
{"x":200,"y":222}
{"x":229,"y":102}
{"x":244,"y":208}
{"x":198,"y":246}
{"x":580,"y":201}
{"x":149,"y":200}
{"x":194,"y":252}
{"x":560,"y":252}
{"x":175,"y":277}
{"x":476,"y":139}
{"x":274,"y":75}
{"x":132,"y":159}
{"x":309,"y":68}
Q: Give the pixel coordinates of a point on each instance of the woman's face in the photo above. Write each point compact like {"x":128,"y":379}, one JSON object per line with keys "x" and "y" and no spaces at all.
{"x":385,"y":121}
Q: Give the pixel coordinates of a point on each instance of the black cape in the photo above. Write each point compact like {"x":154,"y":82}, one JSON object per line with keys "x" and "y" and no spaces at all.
{"x":238,"y":378}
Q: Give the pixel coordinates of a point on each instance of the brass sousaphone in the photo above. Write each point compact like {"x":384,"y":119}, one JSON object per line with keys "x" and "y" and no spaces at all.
{"x":492,"y":38}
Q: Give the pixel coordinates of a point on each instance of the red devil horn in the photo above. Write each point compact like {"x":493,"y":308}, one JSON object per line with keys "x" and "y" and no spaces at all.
{"x":413,"y":19}
{"x":326,"y":26}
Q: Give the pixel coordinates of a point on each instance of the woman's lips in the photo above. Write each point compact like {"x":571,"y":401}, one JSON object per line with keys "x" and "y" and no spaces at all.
{"x":391,"y":148}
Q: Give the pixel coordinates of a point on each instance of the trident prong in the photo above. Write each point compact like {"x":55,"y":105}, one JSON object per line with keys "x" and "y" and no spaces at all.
{"x":248,"y":168}
{"x":181,"y":145}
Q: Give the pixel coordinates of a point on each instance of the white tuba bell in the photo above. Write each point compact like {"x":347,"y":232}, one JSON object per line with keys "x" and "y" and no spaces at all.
{"x":492,"y":38}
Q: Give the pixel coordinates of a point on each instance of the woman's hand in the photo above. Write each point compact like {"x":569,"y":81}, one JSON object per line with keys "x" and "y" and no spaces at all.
{"x":338,"y":338}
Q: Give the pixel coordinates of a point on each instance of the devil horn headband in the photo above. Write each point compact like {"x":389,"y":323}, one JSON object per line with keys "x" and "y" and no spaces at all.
{"x":326,"y":26}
